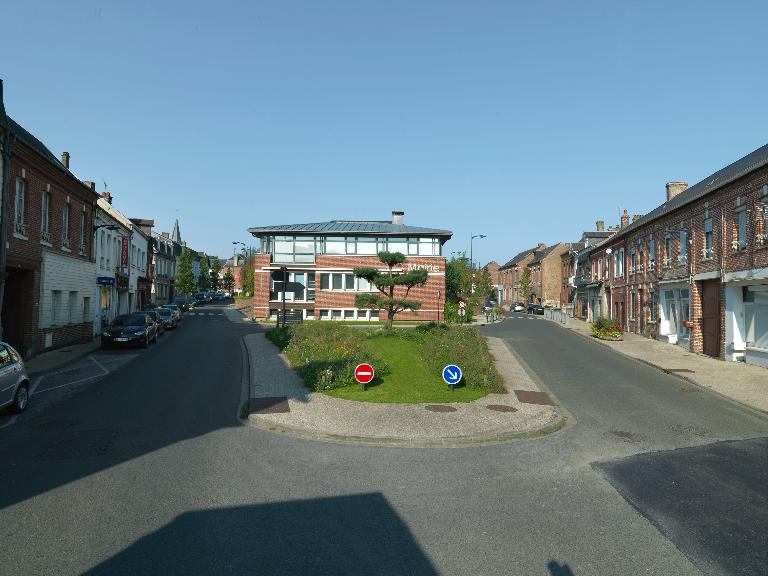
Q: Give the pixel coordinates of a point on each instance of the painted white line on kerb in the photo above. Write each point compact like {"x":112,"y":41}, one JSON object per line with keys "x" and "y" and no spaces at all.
{"x":11,"y":421}
{"x":35,"y":384}
{"x":105,"y":372}
{"x":99,"y":364}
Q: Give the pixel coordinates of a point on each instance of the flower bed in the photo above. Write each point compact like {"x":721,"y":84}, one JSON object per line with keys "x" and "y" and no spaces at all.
{"x":607,"y":329}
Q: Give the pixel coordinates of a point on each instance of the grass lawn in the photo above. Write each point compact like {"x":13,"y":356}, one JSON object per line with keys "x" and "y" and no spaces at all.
{"x":411,"y":380}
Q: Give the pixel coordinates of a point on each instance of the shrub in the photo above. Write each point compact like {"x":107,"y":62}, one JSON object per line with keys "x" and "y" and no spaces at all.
{"x":325,"y":354}
{"x":280,"y":337}
{"x":468,"y":349}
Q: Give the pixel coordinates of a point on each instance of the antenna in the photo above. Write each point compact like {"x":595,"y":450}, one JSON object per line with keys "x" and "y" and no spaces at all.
{"x":105,"y":183}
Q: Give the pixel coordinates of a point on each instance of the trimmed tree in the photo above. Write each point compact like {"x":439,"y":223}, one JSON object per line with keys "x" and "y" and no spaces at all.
{"x":525,"y":284}
{"x":386,"y":282}
{"x":214,"y":280}
{"x":228,"y":282}
{"x":185,"y":279}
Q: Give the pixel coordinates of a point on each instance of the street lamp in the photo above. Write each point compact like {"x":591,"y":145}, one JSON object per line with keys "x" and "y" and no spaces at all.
{"x":471,"y":258}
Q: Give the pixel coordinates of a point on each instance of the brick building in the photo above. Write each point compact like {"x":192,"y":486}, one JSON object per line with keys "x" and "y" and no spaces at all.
{"x":511,"y":273}
{"x":694,"y":271}
{"x":493,"y":272}
{"x":50,"y":273}
{"x":545,"y":275}
{"x":319,"y":259}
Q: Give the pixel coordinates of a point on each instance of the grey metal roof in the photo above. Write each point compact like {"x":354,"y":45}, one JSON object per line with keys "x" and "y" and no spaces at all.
{"x":362,"y":228}
{"x":29,"y":140}
{"x":742,"y":167}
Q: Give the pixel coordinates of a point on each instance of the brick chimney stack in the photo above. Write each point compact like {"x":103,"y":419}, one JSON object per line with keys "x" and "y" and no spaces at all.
{"x":674,"y":188}
{"x":107,"y":196}
{"x":600,"y":225}
{"x":625,"y":219}
{"x":65,"y":159}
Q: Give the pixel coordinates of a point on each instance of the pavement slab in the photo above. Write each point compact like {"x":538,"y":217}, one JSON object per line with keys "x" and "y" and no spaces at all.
{"x":319,"y":416}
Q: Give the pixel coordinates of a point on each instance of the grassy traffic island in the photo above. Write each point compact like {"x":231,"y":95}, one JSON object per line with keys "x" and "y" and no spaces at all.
{"x":408,"y":363}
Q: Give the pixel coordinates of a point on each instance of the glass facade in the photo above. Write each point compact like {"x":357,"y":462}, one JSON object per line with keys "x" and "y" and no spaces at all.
{"x":304,"y":249}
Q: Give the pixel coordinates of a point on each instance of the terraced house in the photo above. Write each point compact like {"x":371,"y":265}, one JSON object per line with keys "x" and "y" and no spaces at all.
{"x":317,"y":260}
{"x":50,"y":274}
{"x":694,"y":271}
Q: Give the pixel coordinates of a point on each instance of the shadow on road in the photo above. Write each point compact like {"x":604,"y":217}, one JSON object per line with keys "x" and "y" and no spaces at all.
{"x":347,"y":535}
{"x":557,"y":569}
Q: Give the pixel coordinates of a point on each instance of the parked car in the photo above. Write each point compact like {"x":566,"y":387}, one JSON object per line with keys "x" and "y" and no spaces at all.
{"x":177,"y":311}
{"x":130,"y":330}
{"x":200,"y":299}
{"x":14,"y":381}
{"x":536,"y":309}
{"x":168,"y":318}
{"x":518,"y":307}
{"x":157,"y":319}
{"x":219,"y":296}
{"x":182,"y":303}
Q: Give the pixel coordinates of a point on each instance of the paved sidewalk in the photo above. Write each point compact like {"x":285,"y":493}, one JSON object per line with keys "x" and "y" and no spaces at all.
{"x":48,"y":361}
{"x":281,"y":403}
{"x":743,"y":383}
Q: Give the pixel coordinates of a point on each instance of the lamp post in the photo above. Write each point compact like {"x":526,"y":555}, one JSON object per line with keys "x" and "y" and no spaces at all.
{"x":234,"y":259}
{"x":472,"y":259}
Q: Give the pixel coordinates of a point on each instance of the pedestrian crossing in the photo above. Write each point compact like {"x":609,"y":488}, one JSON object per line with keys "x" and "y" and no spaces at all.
{"x":203,"y":314}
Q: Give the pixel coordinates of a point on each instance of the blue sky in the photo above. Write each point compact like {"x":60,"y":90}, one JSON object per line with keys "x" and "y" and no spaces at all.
{"x":525,"y":122}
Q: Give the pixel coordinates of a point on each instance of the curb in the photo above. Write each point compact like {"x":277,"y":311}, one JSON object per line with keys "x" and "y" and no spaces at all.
{"x":677,"y":375}
{"x":493,"y":438}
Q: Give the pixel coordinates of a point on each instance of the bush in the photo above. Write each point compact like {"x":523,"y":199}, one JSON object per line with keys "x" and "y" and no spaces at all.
{"x":280,"y":337}
{"x":468,"y":349}
{"x":606,"y":328}
{"x":325,"y":354}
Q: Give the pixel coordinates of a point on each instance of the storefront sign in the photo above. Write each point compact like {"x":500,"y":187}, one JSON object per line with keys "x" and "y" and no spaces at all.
{"x":105,"y":281}
{"x":121,"y":282}
{"x":427,"y":267}
{"x":124,"y":254}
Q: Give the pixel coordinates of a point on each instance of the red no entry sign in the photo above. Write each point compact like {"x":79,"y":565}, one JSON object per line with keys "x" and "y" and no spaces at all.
{"x":364,"y":373}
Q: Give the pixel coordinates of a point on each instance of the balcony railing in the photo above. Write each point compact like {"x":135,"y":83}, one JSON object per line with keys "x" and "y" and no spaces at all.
{"x":682,"y":259}
{"x":706,"y":253}
{"x":20,"y":228}
{"x":651,"y":265}
{"x":65,"y":242}
{"x":45,"y":236}
{"x":81,"y":249}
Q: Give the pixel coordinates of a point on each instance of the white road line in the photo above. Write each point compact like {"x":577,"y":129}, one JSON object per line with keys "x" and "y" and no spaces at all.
{"x":11,"y":421}
{"x":70,"y":383}
{"x":36,"y":383}
{"x":99,"y":365}
{"x":211,"y":314}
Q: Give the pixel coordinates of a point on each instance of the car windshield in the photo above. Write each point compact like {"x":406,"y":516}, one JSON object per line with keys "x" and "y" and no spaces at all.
{"x":164,"y":311}
{"x":132,"y":320}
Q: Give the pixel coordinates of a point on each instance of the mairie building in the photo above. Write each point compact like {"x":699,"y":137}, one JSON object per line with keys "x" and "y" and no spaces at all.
{"x":318,"y":261}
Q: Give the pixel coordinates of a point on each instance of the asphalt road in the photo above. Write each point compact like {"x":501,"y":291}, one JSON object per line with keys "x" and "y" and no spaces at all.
{"x":148,"y":471}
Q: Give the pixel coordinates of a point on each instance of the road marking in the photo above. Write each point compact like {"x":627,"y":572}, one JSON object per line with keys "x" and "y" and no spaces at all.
{"x":35,"y":384}
{"x":80,"y":381}
{"x":99,"y":365}
{"x":211,"y":314}
{"x":11,"y":421}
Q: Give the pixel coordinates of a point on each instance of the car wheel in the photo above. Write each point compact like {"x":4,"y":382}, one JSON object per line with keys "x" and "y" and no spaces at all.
{"x":20,"y":399}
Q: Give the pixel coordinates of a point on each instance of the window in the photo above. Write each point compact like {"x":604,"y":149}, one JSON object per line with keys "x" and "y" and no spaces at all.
{"x":349,"y":314}
{"x":398,"y":245}
{"x":351,"y":246}
{"x":310,"y":287}
{"x":741,"y":229}
{"x":667,"y":251}
{"x":363,"y":285}
{"x":429,"y":247}
{"x":683,"y":252}
{"x":685,"y":311}
{"x":671,"y":310}
{"x":374,"y":314}
{"x":336,"y":281}
{"x":56,"y":306}
{"x":413,"y":246}
{"x":325,"y":281}
{"x":5,"y":357}
{"x":45,"y":234}
{"x":82,"y":233}
{"x":651,"y":250}
{"x":349,"y":281}
{"x":65,"y":226}
{"x":86,"y":309}
{"x":336,"y":314}
{"x":707,"y":251}
{"x":19,"y":226}
{"x":102,"y":240}
{"x":366,"y":246}
{"x":72,"y":307}
{"x":324,"y":314}
{"x":756,"y":316}
{"x":335,"y":245}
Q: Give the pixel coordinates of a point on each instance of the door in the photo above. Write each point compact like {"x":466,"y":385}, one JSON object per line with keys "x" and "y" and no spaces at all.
{"x":710,"y":317}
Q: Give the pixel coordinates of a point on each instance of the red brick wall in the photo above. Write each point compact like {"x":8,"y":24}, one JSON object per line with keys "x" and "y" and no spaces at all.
{"x":431,"y":295}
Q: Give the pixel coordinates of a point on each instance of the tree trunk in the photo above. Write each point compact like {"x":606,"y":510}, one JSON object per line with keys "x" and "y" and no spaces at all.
{"x":390,"y":318}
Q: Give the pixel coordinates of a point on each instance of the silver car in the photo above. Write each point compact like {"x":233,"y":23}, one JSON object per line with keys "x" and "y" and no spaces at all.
{"x":14,"y":382}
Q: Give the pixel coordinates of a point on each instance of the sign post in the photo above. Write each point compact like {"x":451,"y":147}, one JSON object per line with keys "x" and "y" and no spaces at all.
{"x":364,"y":373}
{"x":452,"y":376}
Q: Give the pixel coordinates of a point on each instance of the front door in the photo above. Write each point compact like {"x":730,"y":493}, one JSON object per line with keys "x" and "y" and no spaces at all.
{"x":710,"y":317}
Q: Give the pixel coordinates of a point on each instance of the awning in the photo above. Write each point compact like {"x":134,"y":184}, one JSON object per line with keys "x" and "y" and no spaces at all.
{"x":753,"y":274}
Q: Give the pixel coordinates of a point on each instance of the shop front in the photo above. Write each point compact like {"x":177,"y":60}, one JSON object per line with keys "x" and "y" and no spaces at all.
{"x":675,"y":313}
{"x":746,"y":316}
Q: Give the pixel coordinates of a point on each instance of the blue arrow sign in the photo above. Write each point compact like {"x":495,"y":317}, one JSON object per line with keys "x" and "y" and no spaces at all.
{"x":452,"y":374}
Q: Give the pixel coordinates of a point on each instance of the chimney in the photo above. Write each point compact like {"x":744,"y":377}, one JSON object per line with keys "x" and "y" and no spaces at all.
{"x":674,"y":188}
{"x":625,"y":219}
{"x":398,"y":218}
{"x":541,"y":246}
{"x":91,"y":185}
{"x":600,"y":225}
{"x":107,"y":196}
{"x":636,"y":217}
{"x":65,"y":159}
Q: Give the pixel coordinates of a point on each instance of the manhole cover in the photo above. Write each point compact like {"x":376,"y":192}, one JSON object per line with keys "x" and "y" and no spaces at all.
{"x":440,"y":408}
{"x":501,"y":408}
{"x":532,"y":397}
{"x":269,"y":405}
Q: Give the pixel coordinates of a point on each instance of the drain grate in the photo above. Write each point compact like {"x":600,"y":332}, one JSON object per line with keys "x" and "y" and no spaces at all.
{"x":531,"y":397}
{"x":269,"y":405}
{"x":440,"y":408}
{"x":501,"y":408}
{"x":678,"y":370}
